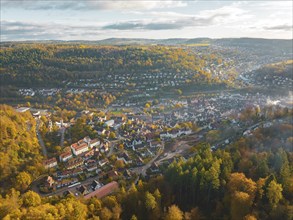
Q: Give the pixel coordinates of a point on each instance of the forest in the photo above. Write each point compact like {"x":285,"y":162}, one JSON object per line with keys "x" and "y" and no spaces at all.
{"x":41,"y":65}
{"x":19,"y":150}
{"x":250,"y":179}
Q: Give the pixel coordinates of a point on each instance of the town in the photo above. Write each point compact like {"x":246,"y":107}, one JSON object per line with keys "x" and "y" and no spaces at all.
{"x":138,"y":141}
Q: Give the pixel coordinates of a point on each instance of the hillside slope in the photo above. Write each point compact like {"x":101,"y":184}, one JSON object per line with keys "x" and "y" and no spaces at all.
{"x":19,"y":149}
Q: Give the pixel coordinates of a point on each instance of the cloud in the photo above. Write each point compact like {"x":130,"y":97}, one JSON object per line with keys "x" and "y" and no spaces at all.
{"x":282,"y":27}
{"x":15,"y":30}
{"x":172,"y":20}
{"x":92,"y":4}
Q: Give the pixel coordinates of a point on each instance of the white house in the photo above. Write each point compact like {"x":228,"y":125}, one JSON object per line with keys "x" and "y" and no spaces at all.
{"x":94,"y":143}
{"x":109,"y":123}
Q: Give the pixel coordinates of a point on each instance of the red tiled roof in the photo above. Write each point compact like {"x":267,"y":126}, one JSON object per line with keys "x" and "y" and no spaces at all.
{"x":65,"y":154}
{"x":50,"y":161}
{"x":103,"y":191}
{"x":79,"y":147}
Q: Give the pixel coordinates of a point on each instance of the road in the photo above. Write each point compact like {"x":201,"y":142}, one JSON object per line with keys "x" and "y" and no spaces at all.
{"x":40,"y":139}
{"x":62,"y":131}
{"x":142,"y":170}
{"x":112,"y":143}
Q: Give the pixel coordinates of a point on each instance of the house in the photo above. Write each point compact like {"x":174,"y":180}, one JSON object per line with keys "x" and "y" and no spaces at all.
{"x":150,"y":137}
{"x":77,"y":171}
{"x":90,"y":153}
{"x":73,"y":163}
{"x":86,"y":139}
{"x":65,"y":156}
{"x":125,"y":158}
{"x":91,"y":167}
{"x":104,"y":147}
{"x":103,"y":162}
{"x":113,"y":174}
{"x":155,"y":144}
{"x":136,"y":142}
{"x":96,"y":185}
{"x":50,"y":181}
{"x":247,"y":133}
{"x":138,"y":147}
{"x":109,"y":123}
{"x":118,"y":119}
{"x":83,"y":190}
{"x":79,"y":148}
{"x":139,"y":162}
{"x":94,"y":143}
{"x":65,"y":182}
{"x":22,"y":109}
{"x":103,"y":191}
{"x":68,"y":192}
{"x":50,"y":163}
{"x":154,"y":168}
{"x":64,"y":174}
{"x":127,"y":174}
{"x":101,"y":131}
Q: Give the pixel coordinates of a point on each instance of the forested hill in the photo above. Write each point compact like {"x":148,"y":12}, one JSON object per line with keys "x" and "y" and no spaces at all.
{"x":45,"y":64}
{"x":284,"y":69}
{"x":278,"y":75}
{"x":19,"y":149}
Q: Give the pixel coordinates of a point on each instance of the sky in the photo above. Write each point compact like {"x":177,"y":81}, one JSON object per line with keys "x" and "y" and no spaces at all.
{"x":96,"y":20}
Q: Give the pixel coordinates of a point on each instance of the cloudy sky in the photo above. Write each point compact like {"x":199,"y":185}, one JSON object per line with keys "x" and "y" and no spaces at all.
{"x":95,"y":20}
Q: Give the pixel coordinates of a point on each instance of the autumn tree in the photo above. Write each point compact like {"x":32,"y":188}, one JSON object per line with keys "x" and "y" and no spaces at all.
{"x":23,"y":180}
{"x":31,"y":198}
{"x":174,"y":213}
{"x":274,"y":193}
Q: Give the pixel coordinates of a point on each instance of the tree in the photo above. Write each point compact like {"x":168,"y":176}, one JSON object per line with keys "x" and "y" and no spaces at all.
{"x":238,"y":182}
{"x":150,"y":201}
{"x":240,"y":205}
{"x":133,"y":217}
{"x":105,"y":214}
{"x":147,"y":105}
{"x":112,"y":135}
{"x":274,"y":193}
{"x":119,"y":164}
{"x":174,"y":213}
{"x":116,"y":212}
{"x":23,"y":180}
{"x":242,"y":194}
{"x":31,"y":198}
{"x":194,"y":214}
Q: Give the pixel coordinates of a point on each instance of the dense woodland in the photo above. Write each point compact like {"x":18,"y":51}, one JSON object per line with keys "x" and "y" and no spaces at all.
{"x":20,"y":154}
{"x":250,"y":179}
{"x":49,"y":64}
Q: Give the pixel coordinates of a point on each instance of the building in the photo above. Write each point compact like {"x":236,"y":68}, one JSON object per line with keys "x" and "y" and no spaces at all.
{"x":109,"y":123}
{"x":94,"y":143}
{"x":78,"y":149}
{"x":155,"y":144}
{"x":103,"y":191}
{"x":22,"y":109}
{"x":73,"y":163}
{"x":65,"y":156}
{"x":96,"y":185}
{"x":125,"y":158}
{"x":50,"y":163}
